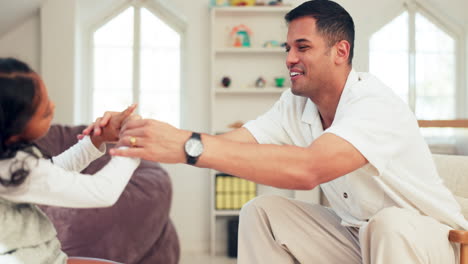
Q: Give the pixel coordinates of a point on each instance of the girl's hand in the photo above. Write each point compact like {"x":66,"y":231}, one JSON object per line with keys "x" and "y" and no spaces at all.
{"x":107,"y":127}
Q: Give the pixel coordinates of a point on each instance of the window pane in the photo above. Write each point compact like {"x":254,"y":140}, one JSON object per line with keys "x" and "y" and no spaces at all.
{"x":435,"y":71}
{"x":160,"y":70}
{"x":159,"y":105}
{"x":118,"y":32}
{"x":113,"y":55}
{"x":388,"y":60}
{"x":112,"y":68}
{"x":111,"y":100}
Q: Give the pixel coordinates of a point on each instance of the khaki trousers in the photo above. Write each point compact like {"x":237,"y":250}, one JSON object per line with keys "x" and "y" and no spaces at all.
{"x":274,"y":229}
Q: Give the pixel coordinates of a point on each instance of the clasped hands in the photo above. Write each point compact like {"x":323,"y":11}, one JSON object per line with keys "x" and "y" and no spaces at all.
{"x":147,"y":138}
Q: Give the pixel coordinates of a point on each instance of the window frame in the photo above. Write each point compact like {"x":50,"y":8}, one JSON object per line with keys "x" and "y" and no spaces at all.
{"x":158,"y":9}
{"x":453,"y":30}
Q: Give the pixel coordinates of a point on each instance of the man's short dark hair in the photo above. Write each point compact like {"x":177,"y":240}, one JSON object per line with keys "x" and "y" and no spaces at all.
{"x":332,"y":21}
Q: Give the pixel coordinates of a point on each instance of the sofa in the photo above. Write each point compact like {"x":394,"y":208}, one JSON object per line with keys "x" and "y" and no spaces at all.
{"x":454,"y":171}
{"x":137,"y":229}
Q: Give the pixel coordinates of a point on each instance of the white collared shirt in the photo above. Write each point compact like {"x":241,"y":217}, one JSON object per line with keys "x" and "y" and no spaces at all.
{"x":401,"y":171}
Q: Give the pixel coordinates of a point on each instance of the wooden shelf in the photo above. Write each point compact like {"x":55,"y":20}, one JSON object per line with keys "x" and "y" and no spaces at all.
{"x":253,"y":9}
{"x":249,"y":50}
{"x":226,"y":212}
{"x":248,"y":91}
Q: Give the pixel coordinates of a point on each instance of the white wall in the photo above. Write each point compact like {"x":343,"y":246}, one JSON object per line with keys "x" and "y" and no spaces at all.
{"x":64,"y":28}
{"x":23,"y":42}
{"x":191,"y":202}
{"x":58,"y":55}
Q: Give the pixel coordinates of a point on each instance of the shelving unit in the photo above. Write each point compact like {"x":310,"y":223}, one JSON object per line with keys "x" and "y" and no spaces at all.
{"x":242,"y":101}
{"x":250,"y":91}
{"x":221,"y":51}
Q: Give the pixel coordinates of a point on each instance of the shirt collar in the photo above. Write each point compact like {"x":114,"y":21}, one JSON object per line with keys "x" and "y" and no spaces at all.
{"x":310,"y":114}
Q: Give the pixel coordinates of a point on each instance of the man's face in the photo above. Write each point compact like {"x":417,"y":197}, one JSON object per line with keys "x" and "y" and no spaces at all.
{"x":309,"y":58}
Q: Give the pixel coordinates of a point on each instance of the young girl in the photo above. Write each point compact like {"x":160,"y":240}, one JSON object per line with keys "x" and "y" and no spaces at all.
{"x":26,"y":234}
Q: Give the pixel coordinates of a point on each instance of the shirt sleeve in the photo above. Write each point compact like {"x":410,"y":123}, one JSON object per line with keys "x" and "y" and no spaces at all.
{"x":49,"y":184}
{"x":377,"y":127}
{"x":268,"y":128}
{"x":79,"y":156}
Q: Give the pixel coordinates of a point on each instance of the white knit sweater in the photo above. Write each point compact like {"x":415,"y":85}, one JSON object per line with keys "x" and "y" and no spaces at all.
{"x":27,"y":236}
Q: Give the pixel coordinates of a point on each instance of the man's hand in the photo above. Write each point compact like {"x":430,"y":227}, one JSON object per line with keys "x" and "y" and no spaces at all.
{"x":107,"y":127}
{"x":152,"y":140}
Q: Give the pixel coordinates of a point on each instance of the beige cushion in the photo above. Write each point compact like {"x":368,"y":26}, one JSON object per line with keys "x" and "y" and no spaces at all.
{"x":464,"y":205}
{"x":454,"y":171}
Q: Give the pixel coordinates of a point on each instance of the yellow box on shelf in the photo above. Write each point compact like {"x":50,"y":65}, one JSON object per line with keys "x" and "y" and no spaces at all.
{"x":232,"y":192}
{"x":242,"y":2}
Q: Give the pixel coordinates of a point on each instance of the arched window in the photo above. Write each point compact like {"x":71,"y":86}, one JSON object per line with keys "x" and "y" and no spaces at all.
{"x":416,"y":55}
{"x":137,"y":58}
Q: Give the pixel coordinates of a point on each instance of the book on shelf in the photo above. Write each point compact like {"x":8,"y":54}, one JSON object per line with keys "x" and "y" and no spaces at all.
{"x":233,"y":192}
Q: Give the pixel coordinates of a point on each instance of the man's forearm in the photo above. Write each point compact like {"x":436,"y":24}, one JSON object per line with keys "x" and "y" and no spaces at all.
{"x":279,"y":166}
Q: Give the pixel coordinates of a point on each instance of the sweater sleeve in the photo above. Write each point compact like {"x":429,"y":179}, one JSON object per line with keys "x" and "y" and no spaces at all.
{"x":49,"y":184}
{"x":79,"y":156}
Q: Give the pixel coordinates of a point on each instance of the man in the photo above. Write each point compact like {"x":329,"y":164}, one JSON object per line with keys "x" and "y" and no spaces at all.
{"x":336,"y":128}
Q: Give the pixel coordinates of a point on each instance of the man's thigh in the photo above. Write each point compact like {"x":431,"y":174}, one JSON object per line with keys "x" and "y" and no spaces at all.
{"x":310,"y":233}
{"x":396,"y":235}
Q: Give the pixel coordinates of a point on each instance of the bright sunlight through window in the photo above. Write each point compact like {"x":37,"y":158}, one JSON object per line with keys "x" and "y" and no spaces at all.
{"x":423,"y":73}
{"x":148,"y":75}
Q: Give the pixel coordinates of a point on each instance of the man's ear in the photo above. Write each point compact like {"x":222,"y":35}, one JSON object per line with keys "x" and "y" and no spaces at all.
{"x":342,"y":49}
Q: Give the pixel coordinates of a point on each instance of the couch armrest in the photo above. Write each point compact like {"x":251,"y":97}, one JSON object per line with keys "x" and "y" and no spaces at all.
{"x":458,"y":236}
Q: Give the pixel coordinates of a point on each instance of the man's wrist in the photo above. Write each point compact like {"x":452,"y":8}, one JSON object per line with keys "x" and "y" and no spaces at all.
{"x":193,"y":148}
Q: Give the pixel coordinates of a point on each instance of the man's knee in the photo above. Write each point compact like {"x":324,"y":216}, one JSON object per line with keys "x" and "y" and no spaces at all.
{"x":263,"y":203}
{"x":391,"y":223}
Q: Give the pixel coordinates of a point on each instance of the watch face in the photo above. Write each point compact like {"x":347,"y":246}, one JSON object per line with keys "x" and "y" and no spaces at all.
{"x":194,"y":147}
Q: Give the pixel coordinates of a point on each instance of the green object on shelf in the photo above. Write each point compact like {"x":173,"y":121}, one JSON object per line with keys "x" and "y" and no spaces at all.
{"x":245,"y":38}
{"x":279,"y":81}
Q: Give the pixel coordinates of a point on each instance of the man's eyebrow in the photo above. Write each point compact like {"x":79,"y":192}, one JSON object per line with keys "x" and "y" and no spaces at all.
{"x":301,"y":40}
{"x":298,"y":41}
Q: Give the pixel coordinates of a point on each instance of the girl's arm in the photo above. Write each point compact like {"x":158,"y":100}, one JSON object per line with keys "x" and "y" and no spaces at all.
{"x":50,"y":184}
{"x":79,"y":156}
{"x":105,"y":129}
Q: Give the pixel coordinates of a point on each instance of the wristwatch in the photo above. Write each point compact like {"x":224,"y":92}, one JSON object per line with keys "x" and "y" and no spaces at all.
{"x":193,"y":148}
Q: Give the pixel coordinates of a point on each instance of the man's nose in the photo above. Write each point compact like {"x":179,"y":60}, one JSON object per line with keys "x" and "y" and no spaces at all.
{"x":291,"y":58}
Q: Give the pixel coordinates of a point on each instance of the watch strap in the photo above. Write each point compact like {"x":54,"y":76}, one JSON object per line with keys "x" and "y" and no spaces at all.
{"x":196,"y":135}
{"x":191,"y":160}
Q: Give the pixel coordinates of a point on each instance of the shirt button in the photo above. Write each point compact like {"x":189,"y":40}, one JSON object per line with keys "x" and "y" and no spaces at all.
{"x":345,"y":195}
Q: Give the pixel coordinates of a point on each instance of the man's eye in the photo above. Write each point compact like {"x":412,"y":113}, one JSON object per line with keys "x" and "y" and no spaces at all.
{"x":302,"y":47}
